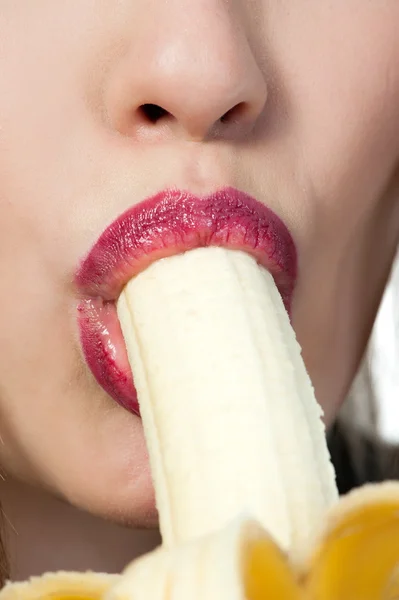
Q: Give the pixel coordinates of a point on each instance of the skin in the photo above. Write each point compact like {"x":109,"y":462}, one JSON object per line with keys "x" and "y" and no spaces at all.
{"x":316,"y":138}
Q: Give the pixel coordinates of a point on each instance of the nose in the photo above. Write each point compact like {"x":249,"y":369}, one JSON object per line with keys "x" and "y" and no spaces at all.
{"x":188,"y":72}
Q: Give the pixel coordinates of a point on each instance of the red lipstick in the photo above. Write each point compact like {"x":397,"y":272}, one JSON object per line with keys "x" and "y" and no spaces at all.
{"x":169,"y":223}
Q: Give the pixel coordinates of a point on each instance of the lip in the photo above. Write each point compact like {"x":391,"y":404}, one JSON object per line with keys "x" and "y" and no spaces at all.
{"x":169,"y":223}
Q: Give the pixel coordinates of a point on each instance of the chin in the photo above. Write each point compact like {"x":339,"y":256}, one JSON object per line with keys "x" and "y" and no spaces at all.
{"x":130,"y":503}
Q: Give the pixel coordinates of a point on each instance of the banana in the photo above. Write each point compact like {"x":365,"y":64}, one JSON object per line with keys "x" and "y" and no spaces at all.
{"x":228,"y":410}
{"x":245,"y":488}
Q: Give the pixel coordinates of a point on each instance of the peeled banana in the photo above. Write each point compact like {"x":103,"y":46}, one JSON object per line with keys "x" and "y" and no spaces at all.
{"x":244,"y":485}
{"x":229,"y":414}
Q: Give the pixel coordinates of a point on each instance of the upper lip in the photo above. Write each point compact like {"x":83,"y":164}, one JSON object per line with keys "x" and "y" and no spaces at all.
{"x":175,"y":221}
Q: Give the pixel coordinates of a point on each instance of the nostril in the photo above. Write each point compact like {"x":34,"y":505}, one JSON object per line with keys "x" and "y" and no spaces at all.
{"x":234,"y":114}
{"x":153,"y":113}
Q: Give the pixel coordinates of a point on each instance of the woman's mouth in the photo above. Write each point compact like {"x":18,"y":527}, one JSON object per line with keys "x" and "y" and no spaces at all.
{"x":169,"y":223}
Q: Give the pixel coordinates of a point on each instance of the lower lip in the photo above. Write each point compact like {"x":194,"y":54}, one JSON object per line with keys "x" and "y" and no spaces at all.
{"x":169,"y":223}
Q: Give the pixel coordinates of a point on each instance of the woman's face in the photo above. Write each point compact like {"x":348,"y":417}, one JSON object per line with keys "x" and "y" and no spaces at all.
{"x":309,"y":95}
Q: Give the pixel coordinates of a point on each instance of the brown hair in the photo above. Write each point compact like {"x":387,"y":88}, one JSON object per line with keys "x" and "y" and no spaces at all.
{"x":4,"y":559}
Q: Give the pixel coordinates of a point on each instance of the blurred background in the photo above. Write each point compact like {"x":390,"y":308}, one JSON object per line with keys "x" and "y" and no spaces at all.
{"x":367,"y":445}
{"x":377,"y":383}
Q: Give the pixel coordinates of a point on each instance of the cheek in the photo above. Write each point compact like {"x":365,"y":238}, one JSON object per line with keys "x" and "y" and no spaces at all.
{"x":352,"y":135}
{"x":341,"y":80}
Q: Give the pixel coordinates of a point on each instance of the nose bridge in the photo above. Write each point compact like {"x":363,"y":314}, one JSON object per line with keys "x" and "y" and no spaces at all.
{"x":203,"y":40}
{"x":194,"y":61}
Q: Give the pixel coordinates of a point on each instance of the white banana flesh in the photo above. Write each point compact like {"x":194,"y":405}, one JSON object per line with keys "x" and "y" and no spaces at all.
{"x":229,"y":414}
